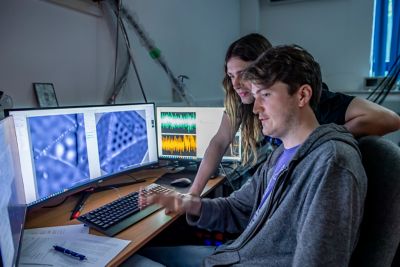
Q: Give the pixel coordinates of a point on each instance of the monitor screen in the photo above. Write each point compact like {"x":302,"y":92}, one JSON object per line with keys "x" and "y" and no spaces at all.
{"x":185,"y":132}
{"x":12,"y":197}
{"x":71,"y":147}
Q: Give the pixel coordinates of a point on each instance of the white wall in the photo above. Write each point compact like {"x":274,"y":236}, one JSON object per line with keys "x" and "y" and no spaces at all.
{"x":193,"y":37}
{"x":249,"y":16}
{"x":45,"y":42}
{"x":337,"y":32}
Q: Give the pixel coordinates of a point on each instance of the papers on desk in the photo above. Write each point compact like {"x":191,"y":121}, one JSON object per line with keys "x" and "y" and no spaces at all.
{"x":65,"y":230}
{"x":37,"y":247}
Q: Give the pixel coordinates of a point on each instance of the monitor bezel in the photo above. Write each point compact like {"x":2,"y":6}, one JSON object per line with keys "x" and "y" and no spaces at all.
{"x":95,"y":182}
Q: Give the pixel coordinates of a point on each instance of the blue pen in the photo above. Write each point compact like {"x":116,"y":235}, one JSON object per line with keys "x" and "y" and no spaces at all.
{"x":70,"y":253}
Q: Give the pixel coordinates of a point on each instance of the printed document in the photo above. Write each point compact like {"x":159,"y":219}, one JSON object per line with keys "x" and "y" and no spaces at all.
{"x":37,"y":248}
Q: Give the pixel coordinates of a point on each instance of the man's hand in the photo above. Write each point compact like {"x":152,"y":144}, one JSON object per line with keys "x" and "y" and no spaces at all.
{"x":173,"y":202}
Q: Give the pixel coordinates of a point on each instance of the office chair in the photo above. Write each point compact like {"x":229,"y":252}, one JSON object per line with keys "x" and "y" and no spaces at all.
{"x":380,"y":229}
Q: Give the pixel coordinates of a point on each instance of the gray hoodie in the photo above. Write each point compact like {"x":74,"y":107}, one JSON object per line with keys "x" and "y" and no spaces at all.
{"x":312,"y":216}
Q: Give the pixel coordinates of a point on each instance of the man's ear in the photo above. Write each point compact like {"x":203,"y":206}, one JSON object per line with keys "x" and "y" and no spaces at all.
{"x":304,"y":95}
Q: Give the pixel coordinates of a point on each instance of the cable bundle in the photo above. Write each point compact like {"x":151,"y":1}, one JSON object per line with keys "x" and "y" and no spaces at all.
{"x":388,"y":84}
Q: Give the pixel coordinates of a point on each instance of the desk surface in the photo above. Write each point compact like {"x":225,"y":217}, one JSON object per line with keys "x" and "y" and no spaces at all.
{"x":139,"y":233}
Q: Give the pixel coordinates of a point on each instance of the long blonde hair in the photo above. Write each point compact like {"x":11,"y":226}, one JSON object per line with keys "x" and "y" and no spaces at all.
{"x":247,"y":48}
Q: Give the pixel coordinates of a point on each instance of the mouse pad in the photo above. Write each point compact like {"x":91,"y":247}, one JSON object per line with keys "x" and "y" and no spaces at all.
{"x":167,"y":178}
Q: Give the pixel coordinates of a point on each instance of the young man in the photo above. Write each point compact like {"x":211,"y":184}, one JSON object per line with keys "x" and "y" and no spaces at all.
{"x":304,"y":205}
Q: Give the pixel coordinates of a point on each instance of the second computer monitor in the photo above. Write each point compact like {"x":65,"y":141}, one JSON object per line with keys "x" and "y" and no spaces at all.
{"x":184,"y":133}
{"x":67,"y":148}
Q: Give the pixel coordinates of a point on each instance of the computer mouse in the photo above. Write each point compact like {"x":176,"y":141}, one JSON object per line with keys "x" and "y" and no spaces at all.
{"x":181,"y":182}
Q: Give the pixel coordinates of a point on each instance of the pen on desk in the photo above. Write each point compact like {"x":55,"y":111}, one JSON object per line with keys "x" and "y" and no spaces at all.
{"x":70,"y":253}
{"x":79,"y":206}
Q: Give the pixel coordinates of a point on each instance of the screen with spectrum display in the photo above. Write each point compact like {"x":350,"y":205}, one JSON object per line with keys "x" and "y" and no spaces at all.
{"x":184,"y":133}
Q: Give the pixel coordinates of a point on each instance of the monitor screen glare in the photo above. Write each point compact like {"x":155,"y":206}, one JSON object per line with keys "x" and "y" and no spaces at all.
{"x":64,"y":148}
{"x":184,"y":133}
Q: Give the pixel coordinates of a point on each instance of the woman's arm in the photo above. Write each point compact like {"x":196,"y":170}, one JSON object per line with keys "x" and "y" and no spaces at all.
{"x":364,"y":117}
{"x":213,"y":155}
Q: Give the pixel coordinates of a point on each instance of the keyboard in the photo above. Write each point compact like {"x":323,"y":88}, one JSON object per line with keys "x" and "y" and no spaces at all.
{"x":118,"y":215}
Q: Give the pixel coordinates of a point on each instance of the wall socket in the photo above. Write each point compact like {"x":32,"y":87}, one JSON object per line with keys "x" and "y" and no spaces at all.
{"x":370,"y":83}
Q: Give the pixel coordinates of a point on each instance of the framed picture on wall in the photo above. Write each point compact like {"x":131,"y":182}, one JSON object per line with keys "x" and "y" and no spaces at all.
{"x":45,"y":95}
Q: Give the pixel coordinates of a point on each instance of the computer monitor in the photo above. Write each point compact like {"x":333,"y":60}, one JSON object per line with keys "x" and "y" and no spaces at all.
{"x":184,"y":133}
{"x":12,"y":197}
{"x":66,"y":149}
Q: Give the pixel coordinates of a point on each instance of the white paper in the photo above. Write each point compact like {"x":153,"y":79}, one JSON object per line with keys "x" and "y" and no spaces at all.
{"x":59,"y":230}
{"x":99,"y":250}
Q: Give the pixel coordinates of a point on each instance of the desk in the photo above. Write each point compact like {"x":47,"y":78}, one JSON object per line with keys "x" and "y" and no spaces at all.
{"x":139,"y":233}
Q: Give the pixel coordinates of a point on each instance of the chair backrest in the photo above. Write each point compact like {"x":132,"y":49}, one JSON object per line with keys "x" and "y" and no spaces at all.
{"x":380,"y":228}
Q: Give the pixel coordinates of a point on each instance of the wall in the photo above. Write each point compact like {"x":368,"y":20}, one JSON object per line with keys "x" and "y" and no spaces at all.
{"x":337,"y":32}
{"x":45,"y":42}
{"x":193,"y":37}
{"x":249,"y":16}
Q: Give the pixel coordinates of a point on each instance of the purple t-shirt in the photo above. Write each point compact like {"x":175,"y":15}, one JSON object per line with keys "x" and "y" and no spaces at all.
{"x":280,"y":165}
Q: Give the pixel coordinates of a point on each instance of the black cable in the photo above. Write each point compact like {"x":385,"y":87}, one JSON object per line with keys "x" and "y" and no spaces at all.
{"x":226,"y":176}
{"x":56,"y":205}
{"x":235,"y":173}
{"x":116,"y":48}
{"x":155,"y":53}
{"x":139,"y":80}
{"x":116,"y":8}
{"x":131,"y":58}
{"x":391,"y":83}
{"x":387,"y":85}
{"x":228,"y":167}
{"x":379,"y":94}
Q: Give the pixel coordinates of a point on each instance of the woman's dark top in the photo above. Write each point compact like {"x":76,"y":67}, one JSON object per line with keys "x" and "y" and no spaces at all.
{"x":332,"y":106}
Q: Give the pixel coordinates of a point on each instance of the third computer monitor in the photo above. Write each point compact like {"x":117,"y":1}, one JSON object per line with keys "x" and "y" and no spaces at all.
{"x":184,"y":133}
{"x":12,"y":197}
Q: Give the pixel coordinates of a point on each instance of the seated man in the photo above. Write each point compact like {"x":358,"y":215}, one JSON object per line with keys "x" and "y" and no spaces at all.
{"x":304,"y":205}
